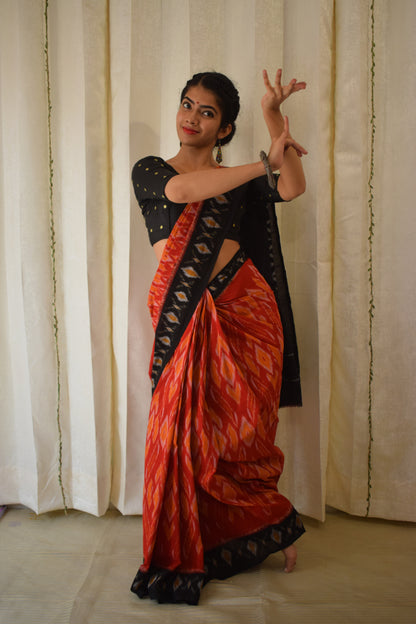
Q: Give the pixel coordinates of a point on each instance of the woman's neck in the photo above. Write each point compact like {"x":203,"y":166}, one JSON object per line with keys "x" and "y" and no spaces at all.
{"x":188,"y":160}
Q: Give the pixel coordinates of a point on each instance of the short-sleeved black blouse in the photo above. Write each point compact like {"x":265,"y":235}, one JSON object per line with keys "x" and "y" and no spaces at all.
{"x":150,"y":176}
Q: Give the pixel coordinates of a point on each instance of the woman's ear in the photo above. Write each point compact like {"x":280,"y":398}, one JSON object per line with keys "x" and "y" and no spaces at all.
{"x":223,"y":132}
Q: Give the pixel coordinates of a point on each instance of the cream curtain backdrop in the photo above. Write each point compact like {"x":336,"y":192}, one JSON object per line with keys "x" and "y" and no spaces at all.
{"x":116,"y":68}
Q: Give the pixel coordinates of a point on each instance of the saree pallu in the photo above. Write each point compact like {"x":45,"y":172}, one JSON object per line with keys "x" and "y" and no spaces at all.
{"x":211,"y":505}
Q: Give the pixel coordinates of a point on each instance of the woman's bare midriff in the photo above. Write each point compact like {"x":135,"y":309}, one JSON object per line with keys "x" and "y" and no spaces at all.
{"x":228,"y":249}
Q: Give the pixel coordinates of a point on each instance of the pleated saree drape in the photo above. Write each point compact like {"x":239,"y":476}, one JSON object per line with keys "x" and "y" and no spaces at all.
{"x":211,"y":507}
{"x":76,"y":265}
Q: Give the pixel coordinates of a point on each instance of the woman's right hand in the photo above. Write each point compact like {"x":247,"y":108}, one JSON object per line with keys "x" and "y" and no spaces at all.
{"x":280,"y":145}
{"x":277,"y":94}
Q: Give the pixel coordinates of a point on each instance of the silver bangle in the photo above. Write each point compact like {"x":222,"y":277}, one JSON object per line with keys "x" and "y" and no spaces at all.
{"x":270,"y":177}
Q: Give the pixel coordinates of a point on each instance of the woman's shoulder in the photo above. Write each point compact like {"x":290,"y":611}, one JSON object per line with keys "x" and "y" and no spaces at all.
{"x":150,"y":176}
{"x":153,"y":166}
{"x":149,"y":162}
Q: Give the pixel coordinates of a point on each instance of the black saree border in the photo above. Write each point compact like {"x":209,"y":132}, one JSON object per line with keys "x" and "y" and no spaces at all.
{"x":224,"y":277}
{"x":261,"y":241}
{"x":221,"y":562}
{"x":191,"y":279}
{"x":244,"y":552}
{"x":291,"y":390}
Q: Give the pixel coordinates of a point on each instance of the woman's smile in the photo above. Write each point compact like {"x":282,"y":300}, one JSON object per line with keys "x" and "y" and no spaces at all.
{"x":189,"y":130}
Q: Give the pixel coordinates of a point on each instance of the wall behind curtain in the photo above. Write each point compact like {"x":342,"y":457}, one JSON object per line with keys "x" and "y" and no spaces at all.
{"x":116,"y":71}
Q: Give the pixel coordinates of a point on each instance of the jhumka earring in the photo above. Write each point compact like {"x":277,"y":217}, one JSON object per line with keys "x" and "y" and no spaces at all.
{"x":218,"y":157}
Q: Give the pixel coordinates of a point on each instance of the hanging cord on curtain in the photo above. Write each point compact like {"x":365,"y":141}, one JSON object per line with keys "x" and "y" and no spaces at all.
{"x":371,"y":308}
{"x":53,"y":258}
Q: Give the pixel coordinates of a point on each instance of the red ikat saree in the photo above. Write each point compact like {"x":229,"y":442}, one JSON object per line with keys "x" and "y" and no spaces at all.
{"x":211,"y":505}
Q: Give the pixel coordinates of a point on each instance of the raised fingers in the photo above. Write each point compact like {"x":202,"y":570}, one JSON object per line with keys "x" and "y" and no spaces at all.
{"x":289,"y":142}
{"x":278,"y":79}
{"x":288,"y":89}
{"x":300,"y":151}
{"x":297,"y":86}
{"x":266,"y":80}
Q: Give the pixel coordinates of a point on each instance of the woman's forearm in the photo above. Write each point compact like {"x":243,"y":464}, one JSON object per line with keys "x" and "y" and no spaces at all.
{"x":200,"y":185}
{"x":292,"y":179}
{"x":274,"y":122}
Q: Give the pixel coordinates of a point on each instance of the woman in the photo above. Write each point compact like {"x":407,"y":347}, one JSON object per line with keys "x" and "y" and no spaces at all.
{"x":211,"y":505}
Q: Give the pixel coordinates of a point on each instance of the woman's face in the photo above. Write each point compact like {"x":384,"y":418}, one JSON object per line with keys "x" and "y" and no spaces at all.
{"x":198,"y":121}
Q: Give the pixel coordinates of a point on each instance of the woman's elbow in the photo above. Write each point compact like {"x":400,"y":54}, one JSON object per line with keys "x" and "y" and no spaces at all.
{"x":176,"y":192}
{"x":301,"y":188}
{"x":290,"y":193}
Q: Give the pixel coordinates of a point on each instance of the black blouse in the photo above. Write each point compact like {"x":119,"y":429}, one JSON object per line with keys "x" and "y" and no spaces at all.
{"x":150,"y":176}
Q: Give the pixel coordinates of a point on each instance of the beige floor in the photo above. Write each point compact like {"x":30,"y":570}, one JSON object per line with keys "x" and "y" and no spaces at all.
{"x":77,"y":569}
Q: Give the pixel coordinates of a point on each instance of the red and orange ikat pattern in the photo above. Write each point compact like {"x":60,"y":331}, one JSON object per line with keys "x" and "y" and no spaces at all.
{"x":211,"y":463}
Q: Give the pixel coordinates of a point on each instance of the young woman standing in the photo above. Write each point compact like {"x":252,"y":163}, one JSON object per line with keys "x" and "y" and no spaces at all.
{"x":225,"y":353}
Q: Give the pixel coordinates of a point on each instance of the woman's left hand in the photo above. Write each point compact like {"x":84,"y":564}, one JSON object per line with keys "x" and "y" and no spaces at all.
{"x":277,"y":94}
{"x":280,"y":145}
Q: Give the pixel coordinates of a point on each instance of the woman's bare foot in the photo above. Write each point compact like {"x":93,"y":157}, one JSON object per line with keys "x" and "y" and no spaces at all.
{"x":291,"y":555}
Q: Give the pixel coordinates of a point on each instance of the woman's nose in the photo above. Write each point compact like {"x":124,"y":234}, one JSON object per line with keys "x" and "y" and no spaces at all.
{"x":191,"y":117}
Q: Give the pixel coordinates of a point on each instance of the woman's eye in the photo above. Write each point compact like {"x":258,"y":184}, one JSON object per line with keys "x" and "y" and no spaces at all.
{"x":208,"y":113}
{"x":186,"y":105}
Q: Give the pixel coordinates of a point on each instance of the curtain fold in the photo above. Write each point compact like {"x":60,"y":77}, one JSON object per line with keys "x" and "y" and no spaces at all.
{"x":380,"y":469}
{"x":76,"y":264}
{"x":307,"y":243}
{"x":27,"y":337}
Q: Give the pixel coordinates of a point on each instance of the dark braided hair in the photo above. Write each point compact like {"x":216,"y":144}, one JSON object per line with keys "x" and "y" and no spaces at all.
{"x":225,"y":93}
